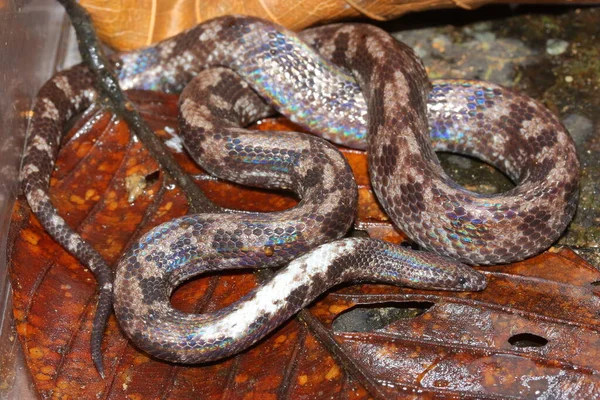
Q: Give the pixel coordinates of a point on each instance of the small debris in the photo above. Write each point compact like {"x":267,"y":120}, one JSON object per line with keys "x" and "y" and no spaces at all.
{"x":135,"y":185}
{"x":486,"y":37}
{"x":556,"y":47}
{"x":175,"y":143}
{"x":580,"y":127}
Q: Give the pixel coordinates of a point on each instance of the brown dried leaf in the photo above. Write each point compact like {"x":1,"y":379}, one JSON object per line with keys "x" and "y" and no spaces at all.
{"x":130,"y":24}
{"x":482,"y":345}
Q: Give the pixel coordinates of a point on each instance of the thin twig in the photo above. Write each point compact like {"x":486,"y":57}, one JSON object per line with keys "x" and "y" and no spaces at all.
{"x":108,"y":86}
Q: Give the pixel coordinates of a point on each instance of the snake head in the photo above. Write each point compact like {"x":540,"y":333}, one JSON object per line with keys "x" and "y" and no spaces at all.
{"x":381,"y":261}
{"x":472,"y":280}
{"x":448,"y":274}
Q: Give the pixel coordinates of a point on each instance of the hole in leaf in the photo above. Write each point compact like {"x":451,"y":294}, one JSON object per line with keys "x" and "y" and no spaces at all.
{"x":595,"y":283}
{"x":527,"y":340}
{"x":152,"y":177}
{"x":368,"y":318}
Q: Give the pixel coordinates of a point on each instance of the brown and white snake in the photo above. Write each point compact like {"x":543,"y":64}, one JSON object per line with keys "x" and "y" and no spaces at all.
{"x":373,"y":93}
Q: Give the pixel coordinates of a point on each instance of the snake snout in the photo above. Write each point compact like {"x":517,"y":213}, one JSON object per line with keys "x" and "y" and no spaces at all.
{"x":471,"y":280}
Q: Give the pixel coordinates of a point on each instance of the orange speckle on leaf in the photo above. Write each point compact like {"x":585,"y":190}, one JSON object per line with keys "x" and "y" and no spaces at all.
{"x":30,"y":237}
{"x":90,"y":193}
{"x":36,"y":352}
{"x":281,"y":339}
{"x":19,"y":315}
{"x":135,"y":169}
{"x":22,"y":329}
{"x":141,"y":359}
{"x":48,"y":370}
{"x":76,"y":199}
{"x":83,"y":149}
{"x":63,"y":384}
{"x":336,"y":308}
{"x":302,"y":380}
{"x":333,"y":373}
{"x":42,"y":377}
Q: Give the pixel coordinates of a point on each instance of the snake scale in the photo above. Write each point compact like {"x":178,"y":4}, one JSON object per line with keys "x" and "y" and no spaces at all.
{"x":362,"y":89}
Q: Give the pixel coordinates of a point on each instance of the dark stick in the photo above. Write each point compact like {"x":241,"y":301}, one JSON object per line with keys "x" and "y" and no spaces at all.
{"x":110,"y":91}
{"x":108,"y":85}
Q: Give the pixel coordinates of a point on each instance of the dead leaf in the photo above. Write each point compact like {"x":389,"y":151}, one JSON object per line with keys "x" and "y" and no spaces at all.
{"x":532,"y":333}
{"x":131,"y":24}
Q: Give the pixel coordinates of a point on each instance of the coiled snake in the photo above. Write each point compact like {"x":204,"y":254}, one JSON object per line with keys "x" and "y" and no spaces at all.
{"x":374,"y":94}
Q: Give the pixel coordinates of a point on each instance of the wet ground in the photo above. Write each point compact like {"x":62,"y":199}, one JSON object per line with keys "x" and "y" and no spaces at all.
{"x":550,"y":53}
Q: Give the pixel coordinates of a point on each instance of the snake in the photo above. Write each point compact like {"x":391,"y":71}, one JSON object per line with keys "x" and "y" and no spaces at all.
{"x":352,"y":84}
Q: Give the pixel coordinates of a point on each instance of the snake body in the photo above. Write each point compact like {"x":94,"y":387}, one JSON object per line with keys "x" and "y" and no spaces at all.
{"x":373,"y":93}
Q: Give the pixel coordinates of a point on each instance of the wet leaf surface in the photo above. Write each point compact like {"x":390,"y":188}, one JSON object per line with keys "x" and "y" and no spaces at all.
{"x":532,"y":333}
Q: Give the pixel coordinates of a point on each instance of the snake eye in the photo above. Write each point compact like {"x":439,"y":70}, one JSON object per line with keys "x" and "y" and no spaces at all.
{"x":462,"y":280}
